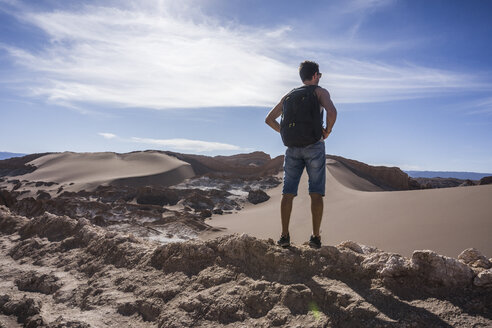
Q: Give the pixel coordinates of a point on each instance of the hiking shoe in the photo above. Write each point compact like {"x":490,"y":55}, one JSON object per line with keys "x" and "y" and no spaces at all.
{"x":284,"y":241}
{"x":315,"y":242}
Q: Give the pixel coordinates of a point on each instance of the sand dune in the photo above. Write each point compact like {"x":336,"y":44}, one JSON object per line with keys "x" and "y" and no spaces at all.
{"x":88,"y":170}
{"x":444,"y":220}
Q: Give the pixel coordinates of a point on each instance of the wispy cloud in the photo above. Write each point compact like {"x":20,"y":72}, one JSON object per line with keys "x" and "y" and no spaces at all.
{"x":357,"y":6}
{"x":198,"y":146}
{"x":157,"y":56}
{"x":482,"y":106}
{"x":187,"y":144}
{"x":107,"y":135}
{"x":355,"y":81}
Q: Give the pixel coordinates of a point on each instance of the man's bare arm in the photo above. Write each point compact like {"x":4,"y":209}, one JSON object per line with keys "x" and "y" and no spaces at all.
{"x":331,"y":111}
{"x":271,"y":118}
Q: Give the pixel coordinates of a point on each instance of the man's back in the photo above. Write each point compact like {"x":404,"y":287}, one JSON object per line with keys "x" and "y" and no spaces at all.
{"x":302,"y":119}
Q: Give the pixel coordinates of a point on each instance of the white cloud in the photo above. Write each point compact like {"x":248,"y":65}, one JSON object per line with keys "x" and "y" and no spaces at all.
{"x":355,"y":81}
{"x":187,"y":144}
{"x":155,"y":55}
{"x":482,"y":106}
{"x":137,"y":58}
{"x":107,"y":135}
{"x":177,"y":144}
{"x":357,"y":6}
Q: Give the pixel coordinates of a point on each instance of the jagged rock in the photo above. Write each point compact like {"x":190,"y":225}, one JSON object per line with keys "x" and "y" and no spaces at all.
{"x":32,"y":281}
{"x":29,"y":207}
{"x":352,"y":246}
{"x":483,"y":279}
{"x":387,"y":265}
{"x":389,"y":178}
{"x":467,"y":183}
{"x":198,"y":202}
{"x":485,"y":180}
{"x":241,"y":281}
{"x":257,"y":196}
{"x":206,"y":213}
{"x":218,"y":211}
{"x":7,"y":198}
{"x":441,"y":269}
{"x":10,"y":223}
{"x":22,"y":308}
{"x":54,"y":227}
{"x":227,"y":207}
{"x":43,"y":195}
{"x":35,"y":322}
{"x":149,"y":195}
{"x":413,"y":184}
{"x":278,"y":315}
{"x":100,"y":221}
{"x":473,"y":258}
{"x":61,"y":322}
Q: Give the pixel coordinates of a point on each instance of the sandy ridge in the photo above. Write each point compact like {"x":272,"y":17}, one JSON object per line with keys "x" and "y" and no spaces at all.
{"x":444,"y":220}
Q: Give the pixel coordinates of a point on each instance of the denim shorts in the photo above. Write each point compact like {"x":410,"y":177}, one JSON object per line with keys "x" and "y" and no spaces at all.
{"x":313,"y":158}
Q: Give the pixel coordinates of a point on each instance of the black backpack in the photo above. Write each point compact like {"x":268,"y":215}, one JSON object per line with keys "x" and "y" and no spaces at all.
{"x":302,"y":120}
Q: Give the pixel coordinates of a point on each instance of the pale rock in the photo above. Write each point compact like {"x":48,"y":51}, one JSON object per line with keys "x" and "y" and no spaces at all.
{"x":441,"y":269}
{"x":387,"y":264}
{"x":473,"y":258}
{"x":352,"y":246}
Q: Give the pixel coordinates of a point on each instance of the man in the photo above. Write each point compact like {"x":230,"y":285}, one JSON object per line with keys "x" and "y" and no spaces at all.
{"x":311,"y":156}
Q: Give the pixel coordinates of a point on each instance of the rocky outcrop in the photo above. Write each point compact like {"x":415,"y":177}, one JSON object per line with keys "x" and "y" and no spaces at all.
{"x":18,"y":165}
{"x":234,"y":280}
{"x":255,"y":164}
{"x":473,"y":258}
{"x":6,"y":198}
{"x":388,"y":178}
{"x":257,"y":196}
{"x":442,"y":270}
{"x":483,"y":279}
{"x":485,"y":180}
{"x":255,"y":159}
{"x":155,"y":212}
{"x":154,"y":196}
{"x":429,"y":183}
{"x":32,"y":281}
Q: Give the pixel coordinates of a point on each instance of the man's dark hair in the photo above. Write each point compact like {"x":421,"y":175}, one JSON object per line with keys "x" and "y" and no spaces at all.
{"x":307,"y":69}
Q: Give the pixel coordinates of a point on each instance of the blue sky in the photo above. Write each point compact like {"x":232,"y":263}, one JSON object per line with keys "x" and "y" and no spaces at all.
{"x":411,"y":80}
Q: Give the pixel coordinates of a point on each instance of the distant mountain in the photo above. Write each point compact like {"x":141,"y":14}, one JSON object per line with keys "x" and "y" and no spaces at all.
{"x":445,"y":174}
{"x":5,"y":155}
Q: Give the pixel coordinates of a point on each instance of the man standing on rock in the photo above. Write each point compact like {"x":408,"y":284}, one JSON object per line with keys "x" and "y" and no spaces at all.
{"x":302,"y":131}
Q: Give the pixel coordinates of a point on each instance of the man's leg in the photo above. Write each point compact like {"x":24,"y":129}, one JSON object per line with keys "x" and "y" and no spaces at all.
{"x":293,"y":167}
{"x":316,"y":169}
{"x":285,"y":211}
{"x":316,"y":212}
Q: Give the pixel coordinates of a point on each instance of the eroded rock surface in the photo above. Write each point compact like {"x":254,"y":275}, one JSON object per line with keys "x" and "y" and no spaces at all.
{"x":58,"y":271}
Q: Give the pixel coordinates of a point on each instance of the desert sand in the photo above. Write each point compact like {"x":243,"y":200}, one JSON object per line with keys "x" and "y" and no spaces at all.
{"x":104,"y":253}
{"x":444,"y":220}
{"x":88,"y":170}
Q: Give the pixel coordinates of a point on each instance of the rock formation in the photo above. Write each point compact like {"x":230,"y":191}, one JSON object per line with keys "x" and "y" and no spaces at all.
{"x":255,"y":164}
{"x":428,"y":183}
{"x":257,"y":196}
{"x":388,"y":178}
{"x":94,"y":277}
{"x":485,"y":180}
